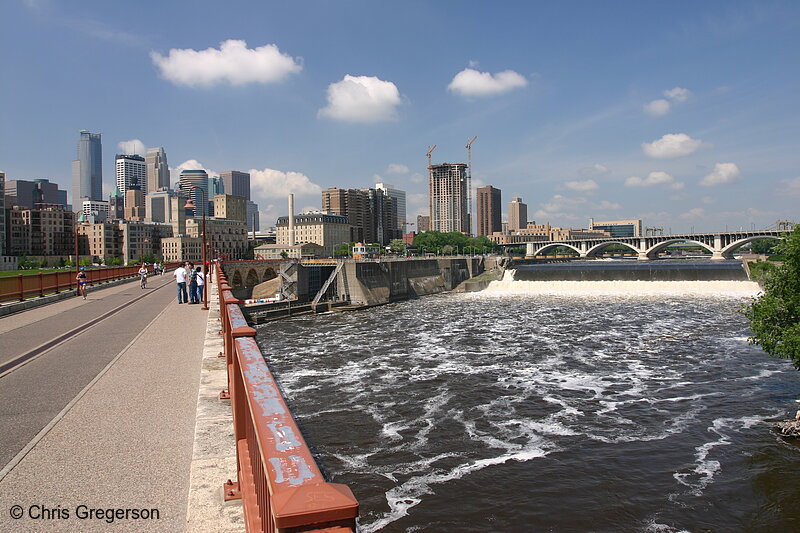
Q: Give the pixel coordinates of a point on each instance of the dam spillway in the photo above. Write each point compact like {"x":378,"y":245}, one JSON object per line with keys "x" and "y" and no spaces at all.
{"x":625,"y":270}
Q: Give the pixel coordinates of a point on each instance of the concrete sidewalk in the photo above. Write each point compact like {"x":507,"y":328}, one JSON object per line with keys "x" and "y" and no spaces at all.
{"x":125,"y":442}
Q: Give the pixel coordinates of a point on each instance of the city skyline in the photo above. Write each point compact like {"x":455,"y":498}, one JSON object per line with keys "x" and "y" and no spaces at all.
{"x":682,"y":118}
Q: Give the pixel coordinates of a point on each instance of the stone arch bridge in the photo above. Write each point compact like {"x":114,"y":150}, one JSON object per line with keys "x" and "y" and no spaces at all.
{"x":722,"y":245}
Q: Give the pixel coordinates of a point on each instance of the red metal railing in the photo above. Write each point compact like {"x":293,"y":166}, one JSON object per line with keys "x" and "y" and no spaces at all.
{"x":281,"y":486}
{"x":17,"y":288}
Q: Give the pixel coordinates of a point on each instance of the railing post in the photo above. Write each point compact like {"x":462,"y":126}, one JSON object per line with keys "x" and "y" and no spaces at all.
{"x":21,"y":289}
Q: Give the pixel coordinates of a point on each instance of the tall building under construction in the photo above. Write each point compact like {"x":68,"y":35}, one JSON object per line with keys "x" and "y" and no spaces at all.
{"x":447,"y":193}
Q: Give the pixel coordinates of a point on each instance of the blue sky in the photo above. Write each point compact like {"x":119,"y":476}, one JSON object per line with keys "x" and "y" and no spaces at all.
{"x":684,"y":114}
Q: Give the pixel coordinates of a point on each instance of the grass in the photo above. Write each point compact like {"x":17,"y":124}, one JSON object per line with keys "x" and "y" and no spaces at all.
{"x":29,"y":271}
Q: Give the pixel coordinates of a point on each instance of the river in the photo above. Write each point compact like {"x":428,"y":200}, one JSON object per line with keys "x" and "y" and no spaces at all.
{"x":548,"y":406}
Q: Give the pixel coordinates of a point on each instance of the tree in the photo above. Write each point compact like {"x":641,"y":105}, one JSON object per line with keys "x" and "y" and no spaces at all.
{"x":775,"y":315}
{"x":763,"y":246}
{"x":284,"y":254}
{"x":398,"y":246}
{"x":85,"y":261}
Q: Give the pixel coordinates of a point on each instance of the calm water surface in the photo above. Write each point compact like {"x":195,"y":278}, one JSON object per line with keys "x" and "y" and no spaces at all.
{"x":547,"y":411}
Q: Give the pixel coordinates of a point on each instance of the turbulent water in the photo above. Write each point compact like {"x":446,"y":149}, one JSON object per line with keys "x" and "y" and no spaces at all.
{"x":524,"y":408}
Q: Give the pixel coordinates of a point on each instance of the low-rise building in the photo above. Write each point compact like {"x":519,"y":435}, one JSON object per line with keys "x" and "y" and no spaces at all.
{"x":329,"y":231}
{"x":182,"y":248}
{"x":307,"y":250}
{"x":48,"y":231}
{"x":99,"y":240}
{"x":225,"y":238}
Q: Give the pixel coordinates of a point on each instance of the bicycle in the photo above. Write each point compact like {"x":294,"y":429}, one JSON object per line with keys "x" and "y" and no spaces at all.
{"x":143,"y":281}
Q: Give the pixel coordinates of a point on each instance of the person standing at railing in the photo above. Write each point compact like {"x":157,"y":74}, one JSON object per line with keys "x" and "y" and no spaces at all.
{"x":200,"y":283}
{"x":180,"y":279}
{"x":192,"y":275}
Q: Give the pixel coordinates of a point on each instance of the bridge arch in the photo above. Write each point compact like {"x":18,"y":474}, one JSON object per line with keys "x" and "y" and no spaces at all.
{"x":654,"y":250}
{"x":237,"y":279}
{"x":252,"y":278}
{"x":546,"y":247}
{"x":597,"y":248}
{"x":269,"y":273}
{"x":729,"y":249}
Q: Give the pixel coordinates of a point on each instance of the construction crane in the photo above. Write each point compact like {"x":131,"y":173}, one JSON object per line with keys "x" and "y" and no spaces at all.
{"x":469,"y":181}
{"x":431,"y":149}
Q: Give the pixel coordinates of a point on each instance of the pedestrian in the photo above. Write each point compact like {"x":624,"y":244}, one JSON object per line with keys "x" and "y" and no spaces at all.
{"x":180,"y":279}
{"x":201,"y":281}
{"x":192,"y":284}
{"x":81,"y":279}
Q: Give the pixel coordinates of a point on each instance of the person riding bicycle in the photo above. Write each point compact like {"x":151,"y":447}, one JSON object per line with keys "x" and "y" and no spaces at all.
{"x":143,"y":276}
{"x":82,"y":279}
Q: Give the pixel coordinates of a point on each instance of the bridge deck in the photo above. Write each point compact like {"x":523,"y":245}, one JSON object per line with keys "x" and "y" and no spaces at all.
{"x":106,"y":418}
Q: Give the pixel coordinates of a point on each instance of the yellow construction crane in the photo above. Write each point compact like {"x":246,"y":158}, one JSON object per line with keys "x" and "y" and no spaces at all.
{"x":431,"y":149}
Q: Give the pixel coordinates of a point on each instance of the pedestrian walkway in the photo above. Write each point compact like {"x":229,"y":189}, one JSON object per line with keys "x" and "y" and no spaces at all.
{"x":113,"y":410}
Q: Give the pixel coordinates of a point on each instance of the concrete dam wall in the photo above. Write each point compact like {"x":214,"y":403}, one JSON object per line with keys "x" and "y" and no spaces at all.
{"x":662,"y":270}
{"x":378,"y":283}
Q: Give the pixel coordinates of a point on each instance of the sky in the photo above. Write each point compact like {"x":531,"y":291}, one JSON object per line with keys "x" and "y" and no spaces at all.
{"x":683,"y":114}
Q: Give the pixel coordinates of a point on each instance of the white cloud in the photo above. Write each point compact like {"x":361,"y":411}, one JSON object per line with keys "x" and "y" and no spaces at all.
{"x":471,"y":83}
{"x":671,"y":145}
{"x":708,"y":200}
{"x":134,"y":146}
{"x":697,"y":212}
{"x":189,"y":164}
{"x":582,"y":186}
{"x":233,"y":63}
{"x":654,"y":178}
{"x":723,"y":174}
{"x":397,"y":168}
{"x":416,"y":177}
{"x":657,"y":107}
{"x":597,"y":169}
{"x":361,"y":99}
{"x":377,"y":178}
{"x":791,"y":186}
{"x":269,"y":183}
{"x":678,"y":94}
{"x":605,"y":204}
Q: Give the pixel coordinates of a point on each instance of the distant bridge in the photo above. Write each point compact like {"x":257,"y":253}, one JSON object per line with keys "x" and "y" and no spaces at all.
{"x":721,"y":244}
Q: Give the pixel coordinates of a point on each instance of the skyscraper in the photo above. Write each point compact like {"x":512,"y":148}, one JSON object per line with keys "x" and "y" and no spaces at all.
{"x":131,"y":175}
{"x":517,"y":214}
{"x":236,"y":183}
{"x":489,"y":210}
{"x":447,"y":194}
{"x":157,"y":169}
{"x":38,"y":191}
{"x":400,"y":198}
{"x":87,"y":170}
{"x":253,"y":216}
{"x":199,"y":179}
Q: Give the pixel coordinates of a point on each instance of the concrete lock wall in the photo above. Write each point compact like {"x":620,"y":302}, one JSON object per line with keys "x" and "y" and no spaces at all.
{"x":379,"y":283}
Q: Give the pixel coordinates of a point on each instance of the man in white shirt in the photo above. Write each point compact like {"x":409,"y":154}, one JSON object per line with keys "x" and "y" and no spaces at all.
{"x":180,"y":278}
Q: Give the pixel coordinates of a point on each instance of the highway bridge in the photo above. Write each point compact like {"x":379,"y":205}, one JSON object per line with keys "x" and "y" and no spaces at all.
{"x":721,"y":245}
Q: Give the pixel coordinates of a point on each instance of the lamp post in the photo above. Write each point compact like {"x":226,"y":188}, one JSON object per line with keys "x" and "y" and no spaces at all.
{"x":190,"y":205}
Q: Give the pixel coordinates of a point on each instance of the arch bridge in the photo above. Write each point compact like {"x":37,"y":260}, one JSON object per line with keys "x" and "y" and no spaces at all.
{"x":722,"y":245}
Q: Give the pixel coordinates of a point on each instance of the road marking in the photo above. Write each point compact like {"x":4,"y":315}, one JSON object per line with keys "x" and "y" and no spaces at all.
{"x":45,"y":430}
{"x":42,"y":349}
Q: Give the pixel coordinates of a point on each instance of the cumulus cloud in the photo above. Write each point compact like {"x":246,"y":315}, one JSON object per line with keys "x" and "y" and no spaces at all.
{"x":134,"y":146}
{"x":397,"y":168}
{"x":270,"y":183}
{"x":657,"y":107}
{"x":233,"y":63}
{"x":791,"y":186}
{"x":723,"y":174}
{"x":697,"y":212}
{"x":472,"y":83}
{"x":654,"y":178}
{"x":361,"y":99}
{"x":605,"y":204}
{"x":671,"y":145}
{"x":582,"y":186}
{"x":678,"y":94}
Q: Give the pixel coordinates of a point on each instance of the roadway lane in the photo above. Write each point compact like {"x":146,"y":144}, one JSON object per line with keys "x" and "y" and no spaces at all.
{"x":31,"y":395}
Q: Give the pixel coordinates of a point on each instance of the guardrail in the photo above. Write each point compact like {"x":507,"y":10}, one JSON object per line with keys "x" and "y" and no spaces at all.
{"x":17,"y":288}
{"x":281,"y":487}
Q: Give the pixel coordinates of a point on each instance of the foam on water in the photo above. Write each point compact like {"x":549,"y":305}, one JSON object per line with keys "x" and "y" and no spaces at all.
{"x":716,"y":289}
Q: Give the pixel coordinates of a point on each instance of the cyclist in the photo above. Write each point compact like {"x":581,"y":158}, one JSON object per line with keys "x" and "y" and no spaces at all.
{"x":81,"y":279}
{"x":143,"y":275}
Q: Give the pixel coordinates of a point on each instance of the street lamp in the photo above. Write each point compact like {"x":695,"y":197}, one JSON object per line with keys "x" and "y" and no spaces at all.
{"x":190,"y":205}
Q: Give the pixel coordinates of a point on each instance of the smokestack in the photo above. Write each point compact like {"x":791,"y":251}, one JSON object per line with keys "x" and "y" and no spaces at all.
{"x":291,"y":220}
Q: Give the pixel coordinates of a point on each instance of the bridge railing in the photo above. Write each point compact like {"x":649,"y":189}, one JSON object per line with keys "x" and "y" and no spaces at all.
{"x":281,"y":486}
{"x":17,"y":288}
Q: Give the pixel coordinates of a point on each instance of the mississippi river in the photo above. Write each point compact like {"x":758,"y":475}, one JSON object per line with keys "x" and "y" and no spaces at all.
{"x":548,"y":407}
